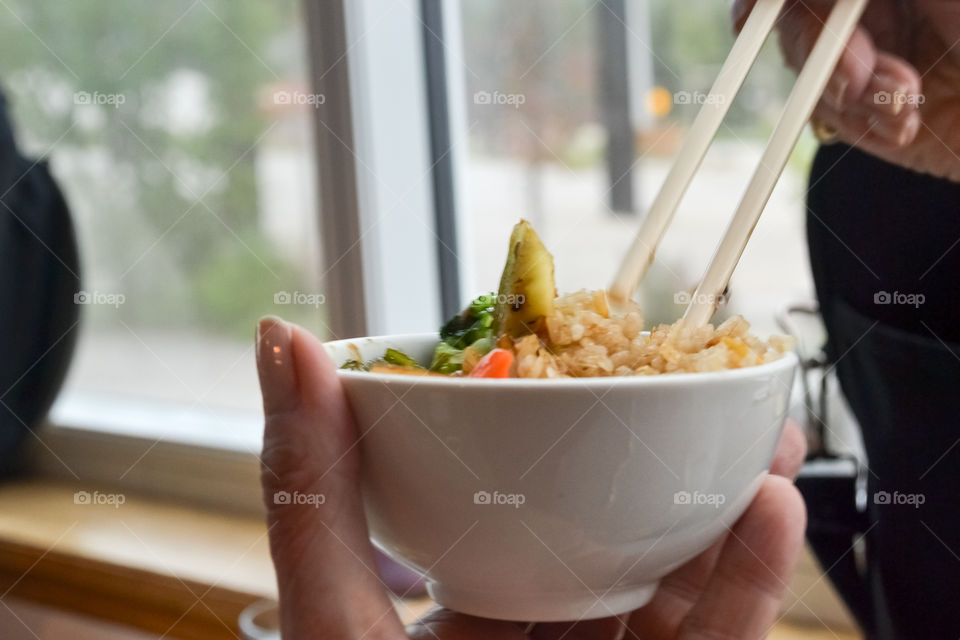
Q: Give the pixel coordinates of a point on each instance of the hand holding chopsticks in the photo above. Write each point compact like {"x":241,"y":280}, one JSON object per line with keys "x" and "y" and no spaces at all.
{"x":806,"y":93}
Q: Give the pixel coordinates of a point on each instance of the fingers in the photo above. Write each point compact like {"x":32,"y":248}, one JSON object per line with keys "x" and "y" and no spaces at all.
{"x":886,"y":117}
{"x":613,"y":628}
{"x":660,"y":618}
{"x":893,"y":89}
{"x":327,"y":582}
{"x":799,"y":28}
{"x":871,"y":99}
{"x":680,"y":590}
{"x":741,"y":9}
{"x":742,"y":597}
{"x":791,"y":452}
{"x":443,"y":624}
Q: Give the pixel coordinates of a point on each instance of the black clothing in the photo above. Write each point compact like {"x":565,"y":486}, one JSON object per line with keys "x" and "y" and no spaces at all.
{"x":885,"y":250}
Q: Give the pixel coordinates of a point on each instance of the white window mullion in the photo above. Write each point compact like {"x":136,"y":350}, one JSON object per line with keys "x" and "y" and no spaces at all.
{"x":392,"y":156}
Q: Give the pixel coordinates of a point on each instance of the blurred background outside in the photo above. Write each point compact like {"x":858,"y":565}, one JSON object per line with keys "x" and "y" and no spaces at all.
{"x":181,"y":134}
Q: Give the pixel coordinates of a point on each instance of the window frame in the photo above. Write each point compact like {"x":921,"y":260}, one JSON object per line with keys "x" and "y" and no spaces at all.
{"x":365,"y":268}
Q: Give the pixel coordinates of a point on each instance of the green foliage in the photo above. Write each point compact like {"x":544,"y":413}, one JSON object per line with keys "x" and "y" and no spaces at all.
{"x":165,"y":199}
{"x":546,"y":50}
{"x":234,"y":288}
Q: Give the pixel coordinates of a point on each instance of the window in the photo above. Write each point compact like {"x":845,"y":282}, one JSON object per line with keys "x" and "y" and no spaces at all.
{"x":185,"y":135}
{"x":541,"y":112}
{"x":181,"y":135}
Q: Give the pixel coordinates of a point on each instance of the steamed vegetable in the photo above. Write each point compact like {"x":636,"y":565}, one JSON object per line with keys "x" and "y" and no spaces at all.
{"x":495,"y":364}
{"x":399,"y":369}
{"x":527,"y":287}
{"x":399,"y":358}
{"x":469,"y":340}
{"x":446,"y":359}
{"x":393,"y":360}
{"x":472,"y":328}
{"x":354,"y":365}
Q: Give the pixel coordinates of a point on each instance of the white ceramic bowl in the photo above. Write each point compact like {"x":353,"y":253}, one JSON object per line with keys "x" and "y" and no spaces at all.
{"x":557,"y":499}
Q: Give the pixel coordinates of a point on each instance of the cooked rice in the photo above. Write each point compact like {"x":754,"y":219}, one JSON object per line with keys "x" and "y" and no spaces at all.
{"x":583,"y":338}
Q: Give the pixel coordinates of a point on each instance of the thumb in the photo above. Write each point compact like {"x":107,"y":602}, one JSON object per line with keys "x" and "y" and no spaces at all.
{"x":324,"y":562}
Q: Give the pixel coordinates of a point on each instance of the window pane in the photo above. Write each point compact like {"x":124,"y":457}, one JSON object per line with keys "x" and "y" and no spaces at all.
{"x":180,"y":133}
{"x":537,"y":143}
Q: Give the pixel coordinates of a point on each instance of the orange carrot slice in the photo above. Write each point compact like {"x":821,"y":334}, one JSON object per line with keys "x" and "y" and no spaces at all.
{"x":495,"y":364}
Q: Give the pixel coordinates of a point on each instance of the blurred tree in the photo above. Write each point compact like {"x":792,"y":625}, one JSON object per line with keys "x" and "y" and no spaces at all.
{"x":546,"y":50}
{"x":163,"y":176}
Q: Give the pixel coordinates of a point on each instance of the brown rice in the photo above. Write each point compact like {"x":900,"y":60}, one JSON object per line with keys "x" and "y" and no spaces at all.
{"x":583,"y":338}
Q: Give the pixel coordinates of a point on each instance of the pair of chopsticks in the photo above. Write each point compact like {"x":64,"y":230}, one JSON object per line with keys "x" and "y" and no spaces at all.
{"x":807,"y":91}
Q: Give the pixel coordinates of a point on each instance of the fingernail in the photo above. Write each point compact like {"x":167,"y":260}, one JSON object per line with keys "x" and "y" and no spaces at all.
{"x":836,"y":93}
{"x":900,"y":133}
{"x":909,"y":133}
{"x":887,"y":95}
{"x":275,"y":362}
{"x":273,"y":340}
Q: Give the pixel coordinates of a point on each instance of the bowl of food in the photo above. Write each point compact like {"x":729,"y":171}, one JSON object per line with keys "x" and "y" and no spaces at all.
{"x":546,"y":458}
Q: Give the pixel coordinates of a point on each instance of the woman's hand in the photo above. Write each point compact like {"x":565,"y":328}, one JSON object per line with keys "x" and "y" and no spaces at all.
{"x":324,"y":561}
{"x":896,"y":90}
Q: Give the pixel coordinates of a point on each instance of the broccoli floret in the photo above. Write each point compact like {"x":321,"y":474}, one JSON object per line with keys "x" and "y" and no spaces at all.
{"x":474,"y":323}
{"x":446,"y":359}
{"x":472,"y":327}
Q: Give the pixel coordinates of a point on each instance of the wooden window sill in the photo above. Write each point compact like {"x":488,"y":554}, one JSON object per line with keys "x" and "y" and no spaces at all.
{"x":162,"y":568}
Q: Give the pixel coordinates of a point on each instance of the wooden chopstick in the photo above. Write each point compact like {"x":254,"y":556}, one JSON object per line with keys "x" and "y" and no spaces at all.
{"x":806,"y":93}
{"x":728,"y":83}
